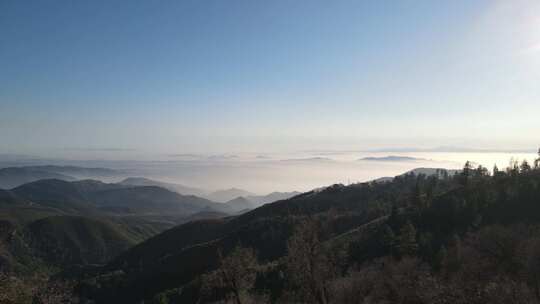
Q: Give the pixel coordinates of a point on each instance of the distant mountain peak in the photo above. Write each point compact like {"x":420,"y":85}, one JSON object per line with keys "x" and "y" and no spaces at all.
{"x":178,"y":188}
{"x":240,"y":203}
{"x":226,"y":195}
{"x":392,"y":158}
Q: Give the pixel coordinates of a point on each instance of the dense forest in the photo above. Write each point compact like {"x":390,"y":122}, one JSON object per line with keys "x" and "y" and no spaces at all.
{"x":466,"y":237}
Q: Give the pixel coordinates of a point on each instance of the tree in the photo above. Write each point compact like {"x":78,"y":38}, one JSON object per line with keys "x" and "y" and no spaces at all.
{"x":513,"y":168}
{"x":454,"y":253}
{"x":235,"y":276}
{"x":441,"y":259}
{"x":495,"y":170}
{"x":394,"y":219}
{"x":537,"y":161}
{"x":524,"y":167}
{"x":481,"y":171}
{"x":466,"y":173}
{"x":418,"y":201}
{"x":310,"y":266}
{"x":388,"y":239}
{"x":407,"y":244}
{"x":531,"y":265}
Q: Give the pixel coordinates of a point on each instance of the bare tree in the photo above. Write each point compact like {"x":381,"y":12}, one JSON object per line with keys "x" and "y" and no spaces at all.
{"x":310,"y":266}
{"x":235,"y":276}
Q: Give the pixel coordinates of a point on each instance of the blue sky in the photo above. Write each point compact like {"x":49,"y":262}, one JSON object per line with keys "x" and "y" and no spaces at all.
{"x":225,"y":76}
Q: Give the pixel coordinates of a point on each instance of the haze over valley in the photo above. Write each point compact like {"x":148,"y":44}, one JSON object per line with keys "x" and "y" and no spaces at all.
{"x":272,"y":152}
{"x":261,"y":173}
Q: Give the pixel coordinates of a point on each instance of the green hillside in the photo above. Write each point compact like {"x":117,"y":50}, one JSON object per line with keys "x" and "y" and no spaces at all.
{"x":148,"y":200}
{"x":62,"y":195}
{"x":68,"y":240}
{"x":90,"y":197}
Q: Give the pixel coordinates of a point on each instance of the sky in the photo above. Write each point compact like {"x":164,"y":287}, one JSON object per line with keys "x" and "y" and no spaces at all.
{"x":133,"y":78}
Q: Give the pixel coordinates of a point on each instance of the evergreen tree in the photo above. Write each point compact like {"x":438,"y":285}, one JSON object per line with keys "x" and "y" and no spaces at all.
{"x":495,"y":170}
{"x":417,"y":197}
{"x":454,"y":253}
{"x":480,"y":171}
{"x":537,"y":161}
{"x":513,"y":168}
{"x":407,"y":245}
{"x":388,"y":239}
{"x":466,"y":173}
{"x":394,"y":220}
{"x":525,"y":167}
{"x":441,"y":259}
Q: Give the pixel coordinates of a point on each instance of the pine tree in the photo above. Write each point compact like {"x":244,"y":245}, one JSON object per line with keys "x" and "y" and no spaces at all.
{"x":525,"y":167}
{"x":495,"y":170}
{"x":407,"y":245}
{"x":394,"y":220}
{"x":417,"y":197}
{"x":537,"y":161}
{"x":513,"y":168}
{"x":454,"y":253}
{"x":388,"y":239}
{"x":466,"y":173}
{"x":480,"y":171}
{"x":441,"y":259}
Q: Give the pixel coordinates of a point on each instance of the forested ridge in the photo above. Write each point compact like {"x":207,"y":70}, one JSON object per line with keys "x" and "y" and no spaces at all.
{"x":468,"y":237}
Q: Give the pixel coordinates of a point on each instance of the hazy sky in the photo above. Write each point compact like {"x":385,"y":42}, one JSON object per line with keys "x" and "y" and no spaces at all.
{"x":225,"y":75}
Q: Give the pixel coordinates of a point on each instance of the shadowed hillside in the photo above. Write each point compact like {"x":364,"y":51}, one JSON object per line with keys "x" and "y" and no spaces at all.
{"x":181,"y":189}
{"x":95,"y":197}
{"x":67,"y":240}
{"x":411,"y":218}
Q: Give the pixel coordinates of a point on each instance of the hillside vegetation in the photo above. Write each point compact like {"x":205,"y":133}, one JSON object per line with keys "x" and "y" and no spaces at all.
{"x":56,"y":228}
{"x":429,"y":236}
{"x":464,"y":238}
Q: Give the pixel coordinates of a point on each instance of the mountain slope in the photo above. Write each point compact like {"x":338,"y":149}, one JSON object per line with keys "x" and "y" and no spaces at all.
{"x":149,"y":200}
{"x":65,"y":196}
{"x":226,"y":195}
{"x":259,"y":200}
{"x":15,"y":176}
{"x":178,"y":255}
{"x":352,"y":220}
{"x":67,"y":240}
{"x":79,"y":172}
{"x":94,"y":197}
{"x":8,"y":198}
{"x":181,"y":189}
{"x":240,"y":203}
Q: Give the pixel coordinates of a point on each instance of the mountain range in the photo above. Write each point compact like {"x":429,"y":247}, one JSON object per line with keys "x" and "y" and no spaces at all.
{"x":392,"y":158}
{"x":142,"y":181}
{"x":135,"y":241}
{"x":232,"y":196}
{"x":12,"y":177}
{"x":89,"y":221}
{"x":356,"y":224}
